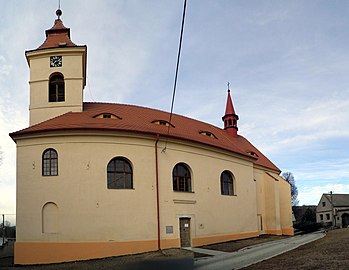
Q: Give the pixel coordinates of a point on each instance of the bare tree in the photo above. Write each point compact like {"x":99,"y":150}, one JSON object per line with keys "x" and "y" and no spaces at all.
{"x":288,"y":176}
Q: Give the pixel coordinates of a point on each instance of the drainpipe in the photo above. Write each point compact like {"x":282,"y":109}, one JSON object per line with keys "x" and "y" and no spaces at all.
{"x":157,"y":189}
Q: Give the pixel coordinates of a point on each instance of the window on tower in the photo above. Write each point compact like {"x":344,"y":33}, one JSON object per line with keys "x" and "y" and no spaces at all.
{"x":56,"y":88}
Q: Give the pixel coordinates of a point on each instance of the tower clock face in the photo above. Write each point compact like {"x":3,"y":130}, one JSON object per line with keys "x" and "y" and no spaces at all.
{"x":55,"y":61}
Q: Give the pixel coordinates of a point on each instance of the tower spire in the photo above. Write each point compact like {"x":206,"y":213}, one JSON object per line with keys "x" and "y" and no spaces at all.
{"x":59,"y":11}
{"x":58,"y":35}
{"x":230,"y":118}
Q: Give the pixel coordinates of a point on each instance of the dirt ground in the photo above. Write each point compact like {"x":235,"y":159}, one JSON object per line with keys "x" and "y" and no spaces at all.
{"x":169,"y":259}
{"x":330,"y":253}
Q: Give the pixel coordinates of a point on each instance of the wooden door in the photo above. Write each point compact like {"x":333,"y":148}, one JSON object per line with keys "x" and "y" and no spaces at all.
{"x":345,"y":220}
{"x":184,"y":226}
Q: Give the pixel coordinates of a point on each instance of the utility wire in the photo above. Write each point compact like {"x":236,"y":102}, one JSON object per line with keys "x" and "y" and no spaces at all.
{"x":177,"y":68}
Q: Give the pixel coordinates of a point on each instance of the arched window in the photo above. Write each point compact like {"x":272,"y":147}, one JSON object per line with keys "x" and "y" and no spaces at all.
{"x":227,"y":183}
{"x":181,"y":178}
{"x":56,"y":88}
{"x":119,"y":174}
{"x":49,"y":162}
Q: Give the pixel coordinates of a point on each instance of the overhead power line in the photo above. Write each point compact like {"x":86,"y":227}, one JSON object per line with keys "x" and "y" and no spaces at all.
{"x":177,"y":68}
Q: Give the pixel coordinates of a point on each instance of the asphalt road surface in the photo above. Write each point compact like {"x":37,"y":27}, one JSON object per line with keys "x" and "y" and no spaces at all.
{"x":254,"y":254}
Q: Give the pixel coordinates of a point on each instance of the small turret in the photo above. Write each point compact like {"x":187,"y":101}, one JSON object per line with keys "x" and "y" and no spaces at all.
{"x":230,"y":119}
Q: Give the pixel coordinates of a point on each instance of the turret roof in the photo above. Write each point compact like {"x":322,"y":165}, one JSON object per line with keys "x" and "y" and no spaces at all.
{"x":229,"y":108}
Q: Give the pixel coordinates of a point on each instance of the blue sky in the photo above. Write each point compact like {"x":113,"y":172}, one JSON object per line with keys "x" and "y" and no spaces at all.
{"x":287,"y":62}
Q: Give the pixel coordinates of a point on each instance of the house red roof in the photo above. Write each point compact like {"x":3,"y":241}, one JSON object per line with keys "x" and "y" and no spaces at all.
{"x":130,"y":118}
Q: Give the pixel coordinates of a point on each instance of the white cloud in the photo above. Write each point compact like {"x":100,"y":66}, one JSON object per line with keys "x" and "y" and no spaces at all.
{"x":312,"y":195}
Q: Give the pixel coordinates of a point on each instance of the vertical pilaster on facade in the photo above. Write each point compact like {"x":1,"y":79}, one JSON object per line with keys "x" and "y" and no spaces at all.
{"x":277,"y":208}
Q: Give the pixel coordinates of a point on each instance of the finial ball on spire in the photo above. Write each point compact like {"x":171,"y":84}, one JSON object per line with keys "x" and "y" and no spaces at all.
{"x":59,"y":13}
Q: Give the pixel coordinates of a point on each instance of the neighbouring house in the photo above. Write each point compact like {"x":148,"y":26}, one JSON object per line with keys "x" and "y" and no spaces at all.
{"x":102,"y":179}
{"x":333,"y":210}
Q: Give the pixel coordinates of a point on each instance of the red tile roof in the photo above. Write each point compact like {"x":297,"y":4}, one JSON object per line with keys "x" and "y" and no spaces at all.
{"x":137,"y":119}
{"x":57,"y":36}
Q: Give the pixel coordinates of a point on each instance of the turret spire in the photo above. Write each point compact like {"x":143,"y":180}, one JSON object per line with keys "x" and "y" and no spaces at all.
{"x":230,"y":118}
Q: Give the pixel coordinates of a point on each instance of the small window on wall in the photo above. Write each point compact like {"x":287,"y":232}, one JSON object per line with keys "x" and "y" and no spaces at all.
{"x":56,"y":88}
{"x":181,"y":178}
{"x":323,"y":204}
{"x":49,"y":162}
{"x":119,"y":174}
{"x":328,"y":216}
{"x":227,"y":183}
{"x":321,"y":217}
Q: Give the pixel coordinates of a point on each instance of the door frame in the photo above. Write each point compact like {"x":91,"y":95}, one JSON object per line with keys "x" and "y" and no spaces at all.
{"x":190,"y":230}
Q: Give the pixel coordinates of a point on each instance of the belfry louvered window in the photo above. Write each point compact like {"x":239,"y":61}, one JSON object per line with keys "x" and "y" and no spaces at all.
{"x":56,"y":88}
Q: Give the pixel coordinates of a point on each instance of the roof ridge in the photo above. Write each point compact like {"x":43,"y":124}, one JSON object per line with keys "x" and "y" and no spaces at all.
{"x":152,"y":109}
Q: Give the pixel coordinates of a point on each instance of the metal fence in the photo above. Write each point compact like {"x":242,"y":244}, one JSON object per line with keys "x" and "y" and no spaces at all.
{"x":7,"y":228}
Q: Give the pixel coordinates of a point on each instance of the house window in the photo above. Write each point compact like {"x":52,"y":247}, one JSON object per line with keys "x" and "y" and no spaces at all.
{"x":328,"y":216}
{"x":119,"y":174}
{"x":56,"y":88}
{"x":181,"y":178}
{"x":321,"y":217}
{"x":49,"y":162}
{"x":323,"y":204}
{"x":227,"y":183}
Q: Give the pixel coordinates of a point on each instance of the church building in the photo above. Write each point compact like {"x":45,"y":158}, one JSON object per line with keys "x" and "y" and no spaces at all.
{"x":103,"y":179}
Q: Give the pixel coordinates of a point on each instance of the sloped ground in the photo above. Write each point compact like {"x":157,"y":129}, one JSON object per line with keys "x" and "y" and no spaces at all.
{"x":232,"y":246}
{"x":330,"y":253}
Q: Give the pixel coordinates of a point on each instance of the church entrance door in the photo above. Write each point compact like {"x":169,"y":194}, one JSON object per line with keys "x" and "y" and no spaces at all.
{"x":184,"y":226}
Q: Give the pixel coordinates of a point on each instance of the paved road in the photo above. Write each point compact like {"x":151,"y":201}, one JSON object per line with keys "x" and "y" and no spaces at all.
{"x":254,"y":254}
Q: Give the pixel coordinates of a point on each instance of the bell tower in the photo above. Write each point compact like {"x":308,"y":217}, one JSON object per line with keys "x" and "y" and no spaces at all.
{"x":230,"y":118}
{"x":57,"y":74}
